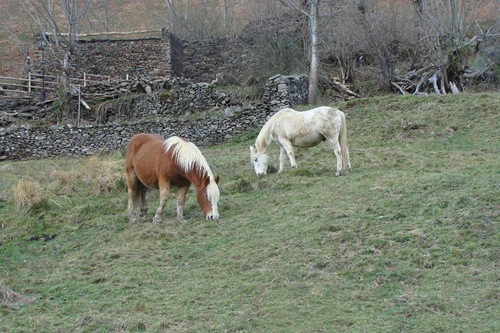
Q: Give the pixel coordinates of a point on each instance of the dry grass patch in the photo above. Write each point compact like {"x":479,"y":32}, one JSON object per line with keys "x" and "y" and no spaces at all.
{"x":103,"y":175}
{"x":11,"y":300}
{"x":27,"y":194}
{"x":97,"y":174}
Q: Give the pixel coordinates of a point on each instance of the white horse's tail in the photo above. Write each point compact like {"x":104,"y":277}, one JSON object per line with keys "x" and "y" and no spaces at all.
{"x":346,"y":163}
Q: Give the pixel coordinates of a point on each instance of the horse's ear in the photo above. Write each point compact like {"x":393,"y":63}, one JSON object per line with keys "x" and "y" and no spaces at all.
{"x":217,"y":179}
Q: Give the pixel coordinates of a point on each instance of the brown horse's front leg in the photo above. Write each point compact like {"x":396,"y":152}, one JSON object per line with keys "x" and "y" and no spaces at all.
{"x":144,"y":202}
{"x":164,"y":192}
{"x":181,"y":199}
{"x":133,"y":195}
{"x":131,"y":206}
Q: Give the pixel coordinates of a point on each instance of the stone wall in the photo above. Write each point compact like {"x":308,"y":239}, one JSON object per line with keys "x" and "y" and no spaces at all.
{"x":165,"y":97}
{"x":29,"y":142}
{"x":25,"y":142}
{"x":287,"y":90}
{"x":182,"y":97}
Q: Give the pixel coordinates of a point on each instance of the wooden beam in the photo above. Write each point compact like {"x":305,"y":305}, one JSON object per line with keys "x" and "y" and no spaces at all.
{"x":105,"y":33}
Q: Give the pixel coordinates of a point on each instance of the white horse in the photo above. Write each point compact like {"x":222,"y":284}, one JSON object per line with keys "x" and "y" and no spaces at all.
{"x":305,"y":129}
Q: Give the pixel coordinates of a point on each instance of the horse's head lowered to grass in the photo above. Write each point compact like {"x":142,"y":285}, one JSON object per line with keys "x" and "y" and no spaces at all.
{"x":259,"y":160}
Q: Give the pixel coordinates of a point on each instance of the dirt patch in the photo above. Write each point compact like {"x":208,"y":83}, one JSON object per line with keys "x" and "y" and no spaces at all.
{"x":43,"y":236}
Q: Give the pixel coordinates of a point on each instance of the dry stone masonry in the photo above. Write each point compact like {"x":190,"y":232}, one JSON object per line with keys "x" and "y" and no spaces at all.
{"x":26,"y":142}
{"x":165,"y":56}
{"x":31,"y":142}
{"x":117,"y":58}
{"x":202,"y":60}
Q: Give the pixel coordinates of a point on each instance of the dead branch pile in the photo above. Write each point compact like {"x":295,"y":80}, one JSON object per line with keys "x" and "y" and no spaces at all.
{"x":451,"y":75}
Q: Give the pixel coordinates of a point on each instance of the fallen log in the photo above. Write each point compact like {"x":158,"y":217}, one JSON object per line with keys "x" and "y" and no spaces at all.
{"x":344,"y":89}
{"x":399,"y":88}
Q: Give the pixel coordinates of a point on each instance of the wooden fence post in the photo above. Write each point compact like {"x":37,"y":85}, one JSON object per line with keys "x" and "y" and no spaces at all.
{"x":79,"y":103}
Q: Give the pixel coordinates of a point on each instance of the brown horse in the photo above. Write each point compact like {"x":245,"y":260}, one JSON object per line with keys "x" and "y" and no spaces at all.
{"x":153,"y":162}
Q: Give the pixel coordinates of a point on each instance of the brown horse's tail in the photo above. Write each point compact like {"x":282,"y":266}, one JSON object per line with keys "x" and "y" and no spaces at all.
{"x":346,"y":163}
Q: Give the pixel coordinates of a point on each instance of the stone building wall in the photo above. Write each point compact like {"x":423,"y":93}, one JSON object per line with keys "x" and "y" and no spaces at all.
{"x":156,"y":56}
{"x":165,"y":56}
{"x":203,"y":59}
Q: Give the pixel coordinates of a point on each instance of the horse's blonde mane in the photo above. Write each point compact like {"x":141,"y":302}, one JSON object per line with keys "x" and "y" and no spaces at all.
{"x":264,"y":138}
{"x":188,"y":156}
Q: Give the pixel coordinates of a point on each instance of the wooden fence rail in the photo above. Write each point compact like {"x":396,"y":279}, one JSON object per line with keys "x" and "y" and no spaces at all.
{"x":19,"y":85}
{"x":46,"y":82}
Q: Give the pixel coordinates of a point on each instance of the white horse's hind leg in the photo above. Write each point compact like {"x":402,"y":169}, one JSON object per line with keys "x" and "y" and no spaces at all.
{"x":335,"y":145}
{"x":287,"y":146}
{"x":346,"y":154}
{"x":282,"y":158}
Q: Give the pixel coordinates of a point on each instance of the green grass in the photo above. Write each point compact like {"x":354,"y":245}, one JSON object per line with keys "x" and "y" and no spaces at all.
{"x":408,"y":242}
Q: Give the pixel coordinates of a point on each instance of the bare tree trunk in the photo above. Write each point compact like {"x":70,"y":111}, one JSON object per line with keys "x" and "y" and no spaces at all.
{"x":313,"y":71}
{"x":186,"y":11}
{"x":27,"y":62}
{"x":53,"y":22}
{"x":73,"y":16}
{"x":106,"y":14}
{"x":171,"y":14}
{"x":225,"y":15}
{"x":386,"y":66}
{"x":70,"y":12}
{"x":310,"y":8}
{"x":454,"y":17}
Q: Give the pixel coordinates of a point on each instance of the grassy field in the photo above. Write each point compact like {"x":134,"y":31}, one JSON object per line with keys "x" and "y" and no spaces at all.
{"x":408,"y":242}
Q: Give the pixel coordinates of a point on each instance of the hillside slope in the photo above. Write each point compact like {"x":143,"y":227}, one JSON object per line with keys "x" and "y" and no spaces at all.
{"x":407,"y":242}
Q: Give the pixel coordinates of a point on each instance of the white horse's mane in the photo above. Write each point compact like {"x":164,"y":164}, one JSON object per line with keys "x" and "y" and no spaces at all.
{"x":188,"y":155}
{"x":264,"y":138}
